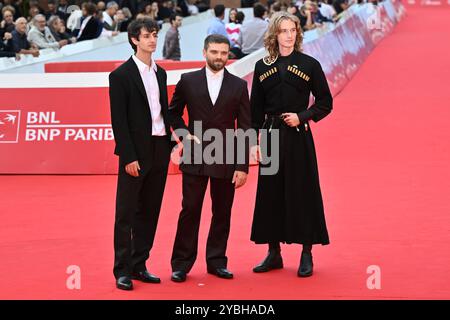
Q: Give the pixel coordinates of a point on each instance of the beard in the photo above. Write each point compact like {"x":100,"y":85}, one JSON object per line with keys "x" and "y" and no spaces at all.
{"x":216,"y":65}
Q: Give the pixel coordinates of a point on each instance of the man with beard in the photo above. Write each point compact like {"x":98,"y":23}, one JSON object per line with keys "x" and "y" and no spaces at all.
{"x":216,"y":99}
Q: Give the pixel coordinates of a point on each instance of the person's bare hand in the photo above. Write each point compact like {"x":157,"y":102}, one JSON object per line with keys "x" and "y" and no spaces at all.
{"x":133,"y":169}
{"x":192,"y":137}
{"x":239,"y":179}
{"x":255,"y":153}
{"x":62,"y":43}
{"x":291,"y":119}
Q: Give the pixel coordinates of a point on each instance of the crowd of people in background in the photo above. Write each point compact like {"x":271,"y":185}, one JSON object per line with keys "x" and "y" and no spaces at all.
{"x":27,"y":26}
{"x":247,"y":36}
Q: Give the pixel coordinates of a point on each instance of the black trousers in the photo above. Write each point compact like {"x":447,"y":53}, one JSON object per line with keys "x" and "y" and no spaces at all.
{"x":186,"y":241}
{"x":138,"y":203}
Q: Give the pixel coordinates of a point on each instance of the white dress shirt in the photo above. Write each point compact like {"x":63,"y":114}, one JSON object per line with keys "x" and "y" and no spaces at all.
{"x":214,"y":83}
{"x":148,"y":76}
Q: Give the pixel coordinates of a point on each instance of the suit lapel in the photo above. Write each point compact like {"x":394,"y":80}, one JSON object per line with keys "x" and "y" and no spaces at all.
{"x":204,"y":89}
{"x":162,"y":88}
{"x":136,"y":76}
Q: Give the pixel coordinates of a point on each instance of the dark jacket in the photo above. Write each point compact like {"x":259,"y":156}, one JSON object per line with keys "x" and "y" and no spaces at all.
{"x":232,"y":106}
{"x":92,"y":30}
{"x":171,"y":49}
{"x":5,"y":51}
{"x":130,"y":111}
{"x":272,"y":95}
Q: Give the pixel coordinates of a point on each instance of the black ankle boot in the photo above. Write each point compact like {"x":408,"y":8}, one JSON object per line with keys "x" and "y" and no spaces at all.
{"x":272,"y":261}
{"x":306,"y":265}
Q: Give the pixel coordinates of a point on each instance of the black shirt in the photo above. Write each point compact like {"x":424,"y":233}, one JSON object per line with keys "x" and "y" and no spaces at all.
{"x":286,"y":87}
{"x":5,"y":51}
{"x":19,"y":41}
{"x":282,"y":64}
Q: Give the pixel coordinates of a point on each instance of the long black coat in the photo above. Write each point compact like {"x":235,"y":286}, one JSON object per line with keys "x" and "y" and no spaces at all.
{"x":289,"y":204}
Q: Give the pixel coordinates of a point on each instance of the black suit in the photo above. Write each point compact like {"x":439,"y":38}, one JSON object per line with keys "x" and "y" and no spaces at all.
{"x":232,"y":105}
{"x":138,"y":200}
{"x":91,"y":30}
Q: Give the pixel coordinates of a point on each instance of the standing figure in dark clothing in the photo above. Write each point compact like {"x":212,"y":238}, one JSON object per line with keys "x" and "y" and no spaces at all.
{"x":218,"y":100}
{"x":171,"y":49}
{"x":139,"y":114}
{"x":91,"y":27}
{"x":289,"y":206}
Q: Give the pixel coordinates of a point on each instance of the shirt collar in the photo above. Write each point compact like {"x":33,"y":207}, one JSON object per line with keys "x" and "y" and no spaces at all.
{"x":220,"y":20}
{"x":142,"y":66}
{"x":213,"y":75}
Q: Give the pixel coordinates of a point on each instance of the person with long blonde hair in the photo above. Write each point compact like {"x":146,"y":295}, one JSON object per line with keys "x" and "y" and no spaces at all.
{"x":288,"y":207}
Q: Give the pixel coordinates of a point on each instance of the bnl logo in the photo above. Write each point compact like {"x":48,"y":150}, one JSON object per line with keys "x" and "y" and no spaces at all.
{"x":9,"y":126}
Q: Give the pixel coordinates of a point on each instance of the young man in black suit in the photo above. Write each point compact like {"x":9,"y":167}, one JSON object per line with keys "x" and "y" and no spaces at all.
{"x":139,"y":106}
{"x":90,"y":27}
{"x":216,"y":99}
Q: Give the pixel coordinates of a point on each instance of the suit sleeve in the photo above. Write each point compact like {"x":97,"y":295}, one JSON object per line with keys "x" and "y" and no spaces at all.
{"x":323,"y":100}
{"x":244,"y":122}
{"x":164,"y":88}
{"x":176,"y":108}
{"x":257,"y":100}
{"x":119,"y":119}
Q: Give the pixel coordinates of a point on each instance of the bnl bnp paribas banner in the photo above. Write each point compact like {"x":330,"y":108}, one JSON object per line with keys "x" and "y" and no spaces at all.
{"x":56,"y":131}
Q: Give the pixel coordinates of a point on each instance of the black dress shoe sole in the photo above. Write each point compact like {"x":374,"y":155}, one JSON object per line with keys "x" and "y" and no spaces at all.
{"x":220,"y":276}
{"x":278,"y":266}
{"x":146,"y":280}
{"x":305,"y":275}
{"x":178,"y":279}
{"x":124,"y":287}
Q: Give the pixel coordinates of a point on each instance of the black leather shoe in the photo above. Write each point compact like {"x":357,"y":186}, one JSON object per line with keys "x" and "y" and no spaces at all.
{"x":124,"y":283}
{"x":178,"y":276}
{"x":221,"y":273}
{"x":306,"y":265}
{"x":271,"y":262}
{"x":146,"y":276}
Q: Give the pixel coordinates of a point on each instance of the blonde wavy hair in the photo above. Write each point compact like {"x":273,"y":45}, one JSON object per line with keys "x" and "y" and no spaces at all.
{"x":270,"y":38}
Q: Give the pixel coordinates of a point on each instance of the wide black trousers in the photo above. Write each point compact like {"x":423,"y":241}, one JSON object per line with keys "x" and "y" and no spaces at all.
{"x":138,"y":203}
{"x":289,"y":205}
{"x":186,"y":241}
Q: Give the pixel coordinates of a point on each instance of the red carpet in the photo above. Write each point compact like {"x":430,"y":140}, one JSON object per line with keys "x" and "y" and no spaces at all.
{"x":383,"y":159}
